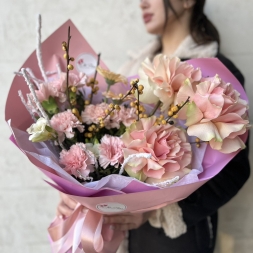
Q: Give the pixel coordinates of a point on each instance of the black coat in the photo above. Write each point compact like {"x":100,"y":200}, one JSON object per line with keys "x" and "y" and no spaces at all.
{"x":200,"y":208}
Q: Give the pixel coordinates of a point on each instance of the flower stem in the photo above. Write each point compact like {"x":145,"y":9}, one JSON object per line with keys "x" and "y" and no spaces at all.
{"x":180,"y":107}
{"x":155,"y":108}
{"x":121,"y":100}
{"x":94,"y":78}
{"x":138,"y":105}
{"x":67,"y":81}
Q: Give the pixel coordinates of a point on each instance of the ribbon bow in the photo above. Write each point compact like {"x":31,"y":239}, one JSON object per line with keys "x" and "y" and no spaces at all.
{"x":82,"y":232}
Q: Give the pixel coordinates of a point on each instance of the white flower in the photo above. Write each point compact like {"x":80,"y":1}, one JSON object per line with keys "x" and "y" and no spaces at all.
{"x":148,"y":96}
{"x":94,"y":148}
{"x":41,"y":131}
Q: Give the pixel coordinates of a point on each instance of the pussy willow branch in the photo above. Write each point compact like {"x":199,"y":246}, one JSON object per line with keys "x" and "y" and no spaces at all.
{"x":31,"y":88}
{"x":38,"y":50}
{"x":25,"y":104}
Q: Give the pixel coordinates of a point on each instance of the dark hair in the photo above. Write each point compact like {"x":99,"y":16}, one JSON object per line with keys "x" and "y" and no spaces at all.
{"x":201,"y":28}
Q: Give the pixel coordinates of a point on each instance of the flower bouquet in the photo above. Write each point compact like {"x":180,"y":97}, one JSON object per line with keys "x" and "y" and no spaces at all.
{"x":121,"y":145}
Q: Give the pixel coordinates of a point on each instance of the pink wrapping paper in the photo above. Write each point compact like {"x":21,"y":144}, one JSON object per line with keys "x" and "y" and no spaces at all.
{"x":133,"y":197}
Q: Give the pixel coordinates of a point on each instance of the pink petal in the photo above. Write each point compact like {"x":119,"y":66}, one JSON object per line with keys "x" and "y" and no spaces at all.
{"x":225,"y":129}
{"x":172,"y":66}
{"x":205,"y":131}
{"x":194,"y":114}
{"x":147,"y":123}
{"x":161,"y":150}
{"x":231,"y":145}
{"x":185,"y":91}
{"x":136,"y":144}
{"x":138,"y":134}
{"x":153,"y":169}
{"x":178,"y":81}
{"x":147,"y":68}
{"x":171,"y":166}
{"x":196,"y":75}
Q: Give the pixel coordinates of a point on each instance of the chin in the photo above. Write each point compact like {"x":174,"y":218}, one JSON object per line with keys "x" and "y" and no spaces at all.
{"x":153,"y":29}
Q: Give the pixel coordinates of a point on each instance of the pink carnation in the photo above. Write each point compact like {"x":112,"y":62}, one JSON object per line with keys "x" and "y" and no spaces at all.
{"x":57,"y":88}
{"x":168,"y":146}
{"x":74,"y":80}
{"x":166,"y":76}
{"x":77,"y":160}
{"x":217,"y":113}
{"x":127,"y":115}
{"x":64,"y":122}
{"x":45,"y":91}
{"x":92,"y":113}
{"x":50,"y":89}
{"x":110,"y":151}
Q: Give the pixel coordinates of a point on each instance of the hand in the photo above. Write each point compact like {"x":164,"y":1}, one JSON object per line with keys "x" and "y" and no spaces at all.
{"x":66,"y":206}
{"x":128,"y":221}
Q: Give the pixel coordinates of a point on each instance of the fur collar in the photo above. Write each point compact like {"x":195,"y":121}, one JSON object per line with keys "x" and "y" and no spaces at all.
{"x":187,"y":49}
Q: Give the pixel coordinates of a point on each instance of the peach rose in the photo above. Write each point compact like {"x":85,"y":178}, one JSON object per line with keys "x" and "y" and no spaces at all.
{"x":165,"y":77}
{"x":216,"y":113}
{"x":168,"y":146}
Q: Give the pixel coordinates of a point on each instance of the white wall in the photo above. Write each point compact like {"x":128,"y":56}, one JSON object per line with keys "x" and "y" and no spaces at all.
{"x":27,"y":204}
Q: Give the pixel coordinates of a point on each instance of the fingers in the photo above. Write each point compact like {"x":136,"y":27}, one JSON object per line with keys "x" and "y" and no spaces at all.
{"x":66,"y":206}
{"x":127,"y":221}
{"x":123,"y":222}
{"x":71,"y":203}
{"x":124,"y":227}
{"x":63,"y":210}
{"x":117,"y":219}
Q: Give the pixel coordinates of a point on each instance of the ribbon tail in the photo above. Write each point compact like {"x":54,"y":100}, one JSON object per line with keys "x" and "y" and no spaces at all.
{"x":76,"y":246}
{"x":64,"y":232}
{"x":92,"y":240}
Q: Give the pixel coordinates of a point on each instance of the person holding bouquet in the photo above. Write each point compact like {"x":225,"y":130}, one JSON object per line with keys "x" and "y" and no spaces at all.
{"x":182,"y":30}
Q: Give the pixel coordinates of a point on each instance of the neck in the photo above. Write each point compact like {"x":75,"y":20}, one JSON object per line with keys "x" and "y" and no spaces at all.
{"x":174,"y":34}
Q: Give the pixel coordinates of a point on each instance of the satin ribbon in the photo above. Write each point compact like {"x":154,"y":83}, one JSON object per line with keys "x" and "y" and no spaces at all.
{"x":81,"y":232}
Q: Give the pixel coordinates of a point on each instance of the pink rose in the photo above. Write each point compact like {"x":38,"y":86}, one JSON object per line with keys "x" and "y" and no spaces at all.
{"x":216,"y":113}
{"x":166,"y":76}
{"x":168,"y":146}
{"x":110,"y":151}
{"x":77,"y":160}
{"x":64,"y":122}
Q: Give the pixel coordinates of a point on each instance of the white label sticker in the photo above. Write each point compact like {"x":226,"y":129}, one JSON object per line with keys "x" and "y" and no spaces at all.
{"x":86,"y":63}
{"x":111,"y":207}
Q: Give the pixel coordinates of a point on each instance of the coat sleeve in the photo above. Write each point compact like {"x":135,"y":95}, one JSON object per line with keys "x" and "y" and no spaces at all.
{"x":219,"y":190}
